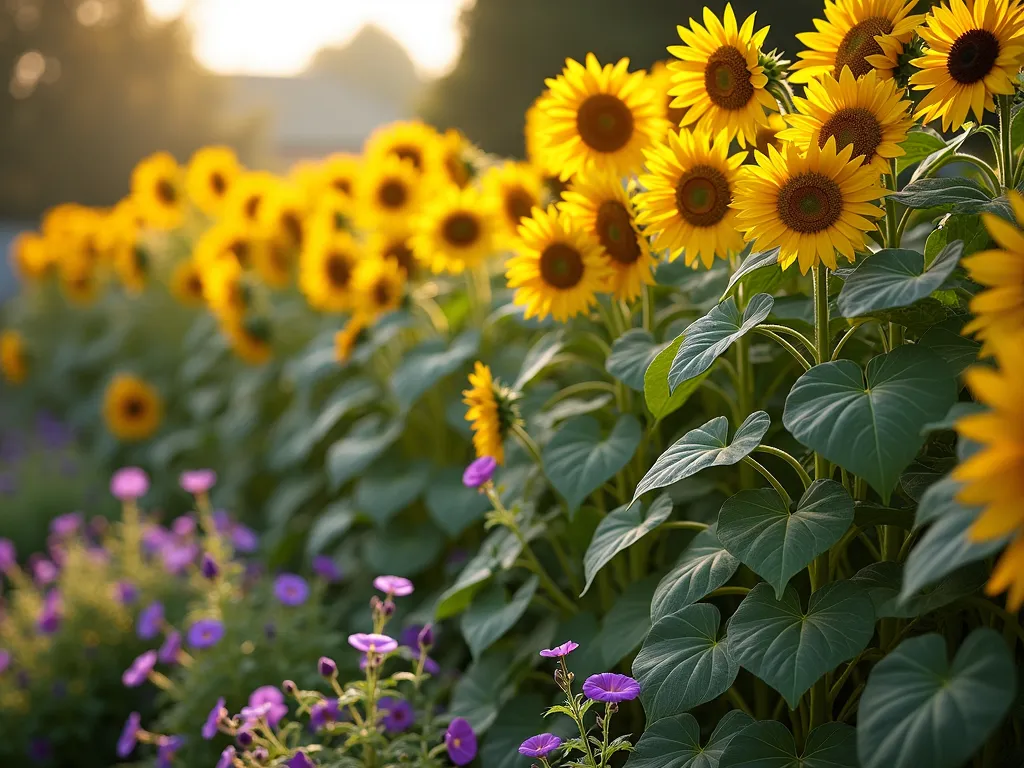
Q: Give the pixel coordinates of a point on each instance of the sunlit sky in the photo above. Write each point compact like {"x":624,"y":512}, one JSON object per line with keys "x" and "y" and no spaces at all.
{"x":278,"y":37}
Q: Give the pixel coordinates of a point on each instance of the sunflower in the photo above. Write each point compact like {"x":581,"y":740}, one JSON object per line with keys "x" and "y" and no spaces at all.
{"x":454,"y":231}
{"x":225,"y":289}
{"x":132,"y":408}
{"x":340,"y":172}
{"x":78,"y":279}
{"x":492,"y":412}
{"x":863,"y":35}
{"x":378,"y":286}
{"x":395,"y":246}
{"x":599,"y":204}
{"x":455,"y":159}
{"x":30,"y":257}
{"x":558,"y":268}
{"x":690,"y":183}
{"x":13,"y":361}
{"x":597,"y":118}
{"x":327,"y":266}
{"x":187,"y":283}
{"x":410,"y":140}
{"x":511,"y":191}
{"x":660,"y":81}
{"x":534,"y":133}
{"x":999,"y":310}
{"x":868,"y":113}
{"x":157,"y":191}
{"x":211,"y":172}
{"x":249,"y":339}
{"x":993,"y":477}
{"x":132,"y":266}
{"x":718,"y":80}
{"x":274,"y":261}
{"x":389,"y":193}
{"x":228,"y":240}
{"x":282,"y":215}
{"x":247,"y":195}
{"x":809,"y":205}
{"x":768,"y":135}
{"x":346,"y":339}
{"x":973,"y":54}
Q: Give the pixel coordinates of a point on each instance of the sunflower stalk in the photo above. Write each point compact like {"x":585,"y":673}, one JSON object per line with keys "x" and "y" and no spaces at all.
{"x":1006,"y":158}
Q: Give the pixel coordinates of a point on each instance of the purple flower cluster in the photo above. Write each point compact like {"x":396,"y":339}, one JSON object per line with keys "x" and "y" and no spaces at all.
{"x":205,"y":633}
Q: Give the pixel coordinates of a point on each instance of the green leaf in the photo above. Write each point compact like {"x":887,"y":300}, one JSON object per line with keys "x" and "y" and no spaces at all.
{"x":769,"y":744}
{"x":791,"y":648}
{"x":659,"y":401}
{"x":385,"y":491}
{"x":632,"y":354}
{"x":919,"y":144}
{"x":627,"y":623}
{"x":918,"y":709}
{"x":621,"y":529}
{"x":430,"y":362}
{"x":760,"y":273}
{"x":517,"y":721}
{"x":674,"y":742}
{"x":453,"y":506}
{"x":471,"y":579}
{"x":404,"y":550}
{"x":706,"y":446}
{"x":956,"y":194}
{"x":481,"y":691}
{"x":708,"y":337}
{"x":540,"y":356}
{"x":866,"y":515}
{"x":955,"y":226}
{"x":353,"y":394}
{"x":166,"y":449}
{"x":883,"y":581}
{"x":490,"y":616}
{"x":289,"y":497}
{"x":683,"y":663}
{"x":578,"y":462}
{"x":703,"y":567}
{"x":945,"y":340}
{"x":956,"y":412}
{"x":333,"y":523}
{"x":895,"y":278}
{"x":870,"y":424}
{"x":758,"y":528}
{"x":367,"y":440}
{"x":584,"y":629}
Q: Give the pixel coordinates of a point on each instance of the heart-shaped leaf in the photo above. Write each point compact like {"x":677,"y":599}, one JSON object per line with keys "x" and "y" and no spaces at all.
{"x":674,"y":742}
{"x":660,"y":402}
{"x":430,"y":362}
{"x":481,"y":691}
{"x":895,"y":278}
{"x":474,"y":575}
{"x":539,"y":356}
{"x":621,"y":529}
{"x":383,"y":493}
{"x":452,"y":505}
{"x":870,"y":424}
{"x":759,"y":272}
{"x":683,"y":662}
{"x":946,"y":341}
{"x":632,"y":354}
{"x":710,"y":336}
{"x":491,"y":616}
{"x":706,"y":446}
{"x":353,"y":394}
{"x":330,"y":525}
{"x":791,"y":648}
{"x":957,"y":194}
{"x":627,"y":623}
{"x":969,"y":229}
{"x":403,"y":549}
{"x":883,"y":582}
{"x":367,"y":440}
{"x":917,"y":709}
{"x":758,"y":528}
{"x":703,"y":567}
{"x":769,"y":744}
{"x":578,"y":462}
{"x":919,"y":144}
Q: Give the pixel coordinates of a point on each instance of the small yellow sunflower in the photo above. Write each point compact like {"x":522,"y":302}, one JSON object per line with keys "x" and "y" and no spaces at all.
{"x":211,"y":172}
{"x":341,"y":172}
{"x":492,"y":412}
{"x":863,"y":35}
{"x":455,"y":159}
{"x":157,"y":191}
{"x":79,"y":279}
{"x":534,"y":134}
{"x":378,"y":286}
{"x":868,"y":113}
{"x":229,"y":240}
{"x":247,"y":195}
{"x":327,"y":266}
{"x":274,"y":262}
{"x":558,"y":268}
{"x":660,"y":80}
{"x":718,"y":80}
{"x":389,"y":194}
{"x":332,"y":212}
{"x":249,"y":339}
{"x":597,"y":118}
{"x":187,"y":283}
{"x":346,"y":339}
{"x":454,"y":231}
{"x":225,"y":289}
{"x":690,"y":183}
{"x":599,"y":204}
{"x":282,"y":215}
{"x":973,"y":54}
{"x":809,"y":205}
{"x":397,"y":247}
{"x":993,"y":477}
{"x":13,"y":360}
{"x":132,"y":408}
{"x":410,"y":140}
{"x":30,"y":258}
{"x":768,"y":135}
{"x":999,"y":310}
{"x":511,"y":191}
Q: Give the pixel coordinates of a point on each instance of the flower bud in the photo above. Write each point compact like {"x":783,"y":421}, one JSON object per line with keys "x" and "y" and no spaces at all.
{"x":388,"y":607}
{"x":327,"y":667}
{"x":426,"y":636}
{"x":289,"y":687}
{"x":244,"y":738}
{"x":208,"y":567}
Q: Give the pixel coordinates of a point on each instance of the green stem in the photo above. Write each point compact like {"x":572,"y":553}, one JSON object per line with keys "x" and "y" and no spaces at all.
{"x":785,"y":344}
{"x":647,"y":308}
{"x":686,"y":525}
{"x":770,"y":478}
{"x":528,"y":443}
{"x":842,"y":341}
{"x":738,"y":701}
{"x":892,"y":224}
{"x":785,"y":329}
{"x":579,"y":389}
{"x":1005,"y":104}
{"x":723,"y":591}
{"x":789,"y":459}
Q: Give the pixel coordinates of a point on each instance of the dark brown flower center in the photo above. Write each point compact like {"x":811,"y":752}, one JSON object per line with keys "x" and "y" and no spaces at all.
{"x":615,"y":231}
{"x":727,"y":79}
{"x":859,"y":43}
{"x":338,"y":269}
{"x":410,"y":153}
{"x":402,"y":254}
{"x":166,"y":192}
{"x":604,"y":122}
{"x":392,"y":194}
{"x":239,"y":248}
{"x":853,"y":125}
{"x":518,"y":204}
{"x":461,"y":229}
{"x":703,"y":196}
{"x":292,"y":226}
{"x":382,"y":294}
{"x":194,"y":285}
{"x":561,"y":266}
{"x":280,"y":257}
{"x":765,"y":137}
{"x":344,"y":186}
{"x":459,"y":170}
{"x":810,"y":202}
{"x":251,"y":207}
{"x":218,"y":183}
{"x":972,"y":56}
{"x":134,"y":407}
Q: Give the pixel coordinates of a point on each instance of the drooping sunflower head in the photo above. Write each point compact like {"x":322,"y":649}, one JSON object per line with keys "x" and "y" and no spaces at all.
{"x":599,"y":204}
{"x":249,"y":338}
{"x":211,"y":172}
{"x":410,"y":140}
{"x":717,"y":78}
{"x":511,"y":191}
{"x":974,"y":50}
{"x":689,"y":185}
{"x":132,"y":408}
{"x":492,"y":412}
{"x":999,"y":309}
{"x":327,"y":266}
{"x":187,"y":283}
{"x":247,"y":195}
{"x":158,"y":191}
{"x":389,"y":193}
{"x":868,"y":113}
{"x":660,"y":81}
{"x":13,"y":359}
{"x":863,"y":35}
{"x":379,"y":286}
{"x":396,"y":246}
{"x":809,"y":205}
{"x":30,"y":257}
{"x":597,"y":119}
{"x":454,"y":231}
{"x":347,"y":338}
{"x":559,"y":267}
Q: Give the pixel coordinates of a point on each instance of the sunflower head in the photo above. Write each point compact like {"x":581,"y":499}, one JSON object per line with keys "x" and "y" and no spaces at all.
{"x":454,"y":231}
{"x":187,"y":283}
{"x":768,"y":135}
{"x":999,"y":309}
{"x":492,"y":412}
{"x":211,"y":172}
{"x":13,"y":358}
{"x":412,"y":141}
{"x":30,"y":257}
{"x":327,"y":266}
{"x":340,"y":173}
{"x":132,"y":408}
{"x":131,"y":262}
{"x":79,"y":279}
{"x":346,"y":340}
{"x":247,"y":196}
{"x":282,"y":216}
{"x":158,"y":191}
{"x":389,"y":193}
{"x":227,"y":291}
{"x":660,"y":81}
{"x":379,"y":286}
{"x":228,"y":240}
{"x":397,"y":247}
{"x":511,"y":191}
{"x":274,"y":262}
{"x":250,"y":339}
{"x":457,"y":160}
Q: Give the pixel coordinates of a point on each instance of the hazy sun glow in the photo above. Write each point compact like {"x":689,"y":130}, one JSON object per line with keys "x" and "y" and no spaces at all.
{"x":280,"y":36}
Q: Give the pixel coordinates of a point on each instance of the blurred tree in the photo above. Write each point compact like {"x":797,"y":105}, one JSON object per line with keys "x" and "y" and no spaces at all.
{"x":510,"y":46}
{"x":89,"y":87}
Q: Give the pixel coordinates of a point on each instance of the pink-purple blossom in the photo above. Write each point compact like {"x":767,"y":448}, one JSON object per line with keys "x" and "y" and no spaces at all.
{"x":269,"y":701}
{"x":291,"y":589}
{"x":213,"y":719}
{"x":460,"y":740}
{"x":129,"y":484}
{"x":560,"y":650}
{"x":611,"y":687}
{"x":372,"y":643}
{"x":139,"y":670}
{"x":151,"y":619}
{"x":129,"y":735}
{"x":198,"y":481}
{"x":205,"y":633}
{"x":540,"y":745}
{"x":398,"y":714}
{"x":479,"y":472}
{"x":393,"y":586}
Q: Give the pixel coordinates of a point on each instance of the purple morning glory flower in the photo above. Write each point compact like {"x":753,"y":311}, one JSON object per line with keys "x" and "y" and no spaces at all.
{"x":270,"y":701}
{"x":326,"y":569}
{"x":208,"y":566}
{"x":198,"y":481}
{"x":324,"y":712}
{"x":479,"y":472}
{"x":177,"y":557}
{"x":393,"y":586}
{"x":43,"y":571}
{"x":410,"y":635}
{"x":168,"y":653}
{"x":126,"y":593}
{"x":139,"y":670}
{"x":460,"y":741}
{"x":168,"y":745}
{"x":129,"y":484}
{"x":291,"y":589}
{"x":300,"y":760}
{"x":8,"y":555}
{"x":212,"y":719}
{"x":151,"y":619}
{"x":129,"y":735}
{"x":398,"y":714}
{"x":5,"y":660}
{"x":540,"y":745}
{"x":611,"y":687}
{"x":205,"y":633}
{"x":560,"y":650}
{"x":221,"y":520}
{"x":372,"y":643}
{"x":244,"y":539}
{"x":49,"y":616}
{"x":66,"y":525}
{"x":183,"y":526}
{"x":227,"y":757}
{"x":154,"y":537}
